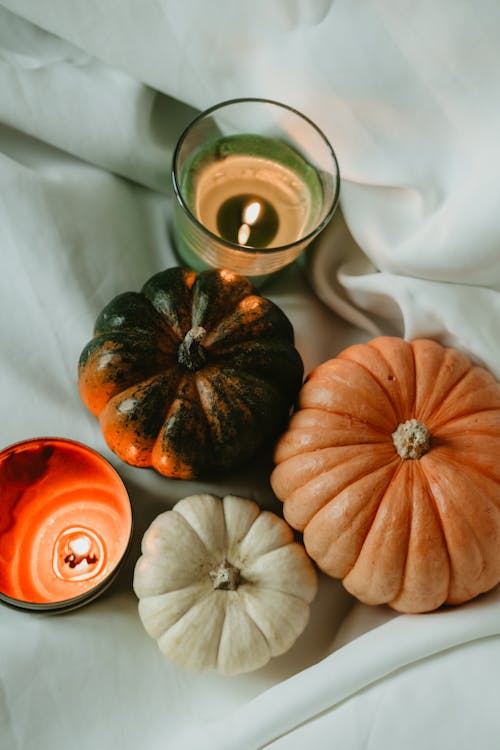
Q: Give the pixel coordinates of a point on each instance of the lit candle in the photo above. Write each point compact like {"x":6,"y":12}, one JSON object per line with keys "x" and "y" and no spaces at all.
{"x":253,"y":191}
{"x":65,"y":524}
{"x":250,"y":201}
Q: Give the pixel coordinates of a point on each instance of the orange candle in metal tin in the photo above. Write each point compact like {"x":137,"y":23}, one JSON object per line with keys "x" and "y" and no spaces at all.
{"x":65,"y":523}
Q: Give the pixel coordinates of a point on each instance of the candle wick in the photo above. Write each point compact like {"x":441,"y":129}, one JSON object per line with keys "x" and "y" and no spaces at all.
{"x":79,"y":554}
{"x":73,"y":560}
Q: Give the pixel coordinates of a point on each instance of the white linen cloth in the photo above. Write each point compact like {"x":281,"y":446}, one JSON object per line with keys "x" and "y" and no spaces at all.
{"x":93,"y":96}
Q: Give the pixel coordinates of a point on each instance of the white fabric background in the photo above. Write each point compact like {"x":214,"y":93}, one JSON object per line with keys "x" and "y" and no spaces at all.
{"x":93,"y":96}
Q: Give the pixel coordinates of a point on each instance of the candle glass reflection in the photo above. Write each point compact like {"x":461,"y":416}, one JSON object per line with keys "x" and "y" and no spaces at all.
{"x":65,"y":524}
{"x":255,"y":183}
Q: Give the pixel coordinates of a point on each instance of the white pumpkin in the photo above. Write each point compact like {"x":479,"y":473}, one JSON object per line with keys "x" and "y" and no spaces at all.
{"x":223,"y":585}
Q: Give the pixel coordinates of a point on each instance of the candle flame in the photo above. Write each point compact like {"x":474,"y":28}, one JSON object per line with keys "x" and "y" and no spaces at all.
{"x":249,"y":216}
{"x":251,"y":212}
{"x":80,"y":546}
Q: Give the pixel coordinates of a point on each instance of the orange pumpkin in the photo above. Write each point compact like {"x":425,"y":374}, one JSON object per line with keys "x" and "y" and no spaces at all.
{"x":391,"y":468}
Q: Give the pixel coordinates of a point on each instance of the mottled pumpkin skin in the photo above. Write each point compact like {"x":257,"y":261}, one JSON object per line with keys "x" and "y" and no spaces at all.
{"x":410,"y":532}
{"x":193,"y":413}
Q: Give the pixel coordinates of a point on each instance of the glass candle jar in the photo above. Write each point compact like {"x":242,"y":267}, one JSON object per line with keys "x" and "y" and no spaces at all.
{"x":255,"y":182}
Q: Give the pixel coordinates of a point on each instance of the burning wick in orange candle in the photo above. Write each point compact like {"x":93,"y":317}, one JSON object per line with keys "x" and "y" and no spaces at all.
{"x":78,"y":554}
{"x":65,"y":523}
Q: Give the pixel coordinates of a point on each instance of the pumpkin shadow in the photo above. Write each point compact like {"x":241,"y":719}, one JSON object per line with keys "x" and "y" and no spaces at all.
{"x":151,"y":493}
{"x":148,"y":499}
{"x":328,"y":610}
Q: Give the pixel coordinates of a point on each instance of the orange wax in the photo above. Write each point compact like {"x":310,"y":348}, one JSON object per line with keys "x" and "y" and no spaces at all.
{"x":65,"y":521}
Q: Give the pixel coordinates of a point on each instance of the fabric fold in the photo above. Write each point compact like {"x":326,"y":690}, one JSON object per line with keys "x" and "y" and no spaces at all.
{"x":400,"y":642}
{"x":463,"y":315}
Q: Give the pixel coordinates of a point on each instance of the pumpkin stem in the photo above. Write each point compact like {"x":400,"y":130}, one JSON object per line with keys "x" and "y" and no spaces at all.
{"x":191,"y":354}
{"x":225,"y":576}
{"x":412,"y":439}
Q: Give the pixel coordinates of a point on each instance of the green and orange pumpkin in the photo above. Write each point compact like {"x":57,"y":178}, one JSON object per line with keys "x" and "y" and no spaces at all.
{"x":193,"y":375}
